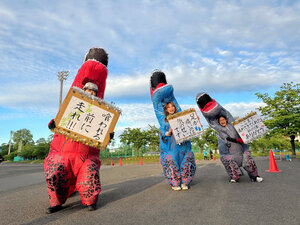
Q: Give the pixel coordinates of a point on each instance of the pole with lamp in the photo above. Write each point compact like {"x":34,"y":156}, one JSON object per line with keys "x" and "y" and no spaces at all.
{"x":62,"y":75}
{"x":9,"y":146}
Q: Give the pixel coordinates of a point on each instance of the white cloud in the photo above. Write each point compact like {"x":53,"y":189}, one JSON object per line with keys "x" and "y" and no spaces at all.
{"x":241,"y":109}
{"x":138,"y":115}
{"x":6,"y":13}
{"x":126,"y":85}
{"x":31,"y":97}
{"x":255,"y":73}
{"x":136,"y":33}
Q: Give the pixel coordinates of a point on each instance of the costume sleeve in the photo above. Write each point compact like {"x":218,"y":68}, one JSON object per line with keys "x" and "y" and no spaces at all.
{"x":164,"y":128}
{"x":101,"y":89}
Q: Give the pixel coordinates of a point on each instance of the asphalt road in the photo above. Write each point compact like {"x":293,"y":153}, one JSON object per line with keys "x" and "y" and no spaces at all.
{"x":139,"y":194}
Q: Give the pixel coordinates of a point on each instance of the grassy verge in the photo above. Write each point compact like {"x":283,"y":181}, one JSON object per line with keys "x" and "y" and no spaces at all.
{"x":151,"y":159}
{"x":38,"y":161}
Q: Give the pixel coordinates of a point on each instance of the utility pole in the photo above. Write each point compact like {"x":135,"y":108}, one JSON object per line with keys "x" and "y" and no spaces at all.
{"x":62,"y":75}
{"x":9,"y":146}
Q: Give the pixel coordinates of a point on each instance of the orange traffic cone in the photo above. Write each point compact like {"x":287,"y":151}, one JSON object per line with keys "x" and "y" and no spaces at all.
{"x":111,"y":162}
{"x":120,"y":163}
{"x":273,"y":166}
{"x":141,"y":161}
{"x":214,"y":158}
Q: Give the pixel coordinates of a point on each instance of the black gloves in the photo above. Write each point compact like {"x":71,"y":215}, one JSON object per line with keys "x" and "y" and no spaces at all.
{"x":51,"y":124}
{"x":235,"y":140}
{"x":111,"y":135}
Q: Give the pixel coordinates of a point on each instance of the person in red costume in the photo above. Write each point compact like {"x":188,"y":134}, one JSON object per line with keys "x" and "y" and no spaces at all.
{"x":71,"y":165}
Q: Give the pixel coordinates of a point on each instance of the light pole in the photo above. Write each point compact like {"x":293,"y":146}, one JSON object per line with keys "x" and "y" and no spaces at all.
{"x":9,"y":146}
{"x":62,"y":75}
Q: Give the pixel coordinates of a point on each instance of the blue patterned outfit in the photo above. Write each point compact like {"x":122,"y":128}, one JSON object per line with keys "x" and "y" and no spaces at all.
{"x":178,"y":161}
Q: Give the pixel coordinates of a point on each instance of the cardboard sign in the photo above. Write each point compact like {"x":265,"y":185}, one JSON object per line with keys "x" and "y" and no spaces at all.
{"x":86,"y":119}
{"x":250,"y":127}
{"x":185,"y":125}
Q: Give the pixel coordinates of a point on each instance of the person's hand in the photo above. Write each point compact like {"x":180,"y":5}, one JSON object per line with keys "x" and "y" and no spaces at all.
{"x":231,"y":139}
{"x":235,"y":140}
{"x":170,"y":131}
{"x":51,"y":124}
{"x":240,"y":140}
{"x":111,"y":135}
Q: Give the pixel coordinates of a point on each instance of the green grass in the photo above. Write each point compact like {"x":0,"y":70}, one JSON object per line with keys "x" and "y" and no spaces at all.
{"x":149,"y":159}
{"x":130,"y":160}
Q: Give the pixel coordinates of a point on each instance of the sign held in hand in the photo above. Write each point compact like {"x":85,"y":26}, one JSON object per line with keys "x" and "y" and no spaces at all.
{"x":250,"y":127}
{"x":86,"y":118}
{"x":185,"y":125}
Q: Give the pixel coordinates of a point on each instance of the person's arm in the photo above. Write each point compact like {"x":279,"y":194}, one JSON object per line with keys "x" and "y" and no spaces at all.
{"x":101,"y":89}
{"x":169,"y":132}
{"x":111,"y":136}
{"x":165,"y":130}
{"x":223,"y":146}
{"x":235,"y":140}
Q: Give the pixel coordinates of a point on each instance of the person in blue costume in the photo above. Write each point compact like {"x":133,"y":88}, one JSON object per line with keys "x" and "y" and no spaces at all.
{"x":233,"y":152}
{"x":178,"y":161}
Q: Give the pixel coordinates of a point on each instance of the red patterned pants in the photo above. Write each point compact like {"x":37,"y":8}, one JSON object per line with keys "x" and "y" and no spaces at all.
{"x":67,"y":171}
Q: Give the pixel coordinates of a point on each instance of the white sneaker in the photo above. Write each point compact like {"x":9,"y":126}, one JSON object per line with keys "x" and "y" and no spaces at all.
{"x":232,"y":181}
{"x":176,"y":188}
{"x":259,"y":179}
{"x":184,"y":187}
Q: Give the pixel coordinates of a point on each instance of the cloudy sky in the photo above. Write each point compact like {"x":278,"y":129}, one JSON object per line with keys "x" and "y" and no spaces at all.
{"x":230,"y":49}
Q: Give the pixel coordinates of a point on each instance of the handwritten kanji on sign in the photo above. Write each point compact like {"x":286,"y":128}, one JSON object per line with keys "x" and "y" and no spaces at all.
{"x":250,"y":127}
{"x":86,"y":119}
{"x":185,"y":125}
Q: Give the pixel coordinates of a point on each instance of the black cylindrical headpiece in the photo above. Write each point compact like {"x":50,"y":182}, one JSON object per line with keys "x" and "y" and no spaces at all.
{"x":203,"y":100}
{"x":98,"y":54}
{"x":156,"y":78}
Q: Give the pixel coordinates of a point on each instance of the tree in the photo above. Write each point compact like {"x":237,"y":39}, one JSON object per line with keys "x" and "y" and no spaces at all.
{"x":210,"y":138}
{"x":199,"y":142}
{"x":41,"y":150}
{"x":269,"y":141}
{"x":27,"y":151}
{"x":134,"y":136}
{"x":50,"y":138}
{"x":259,"y":145}
{"x":11,"y":156}
{"x":4,"y":149}
{"x":24,"y":135}
{"x":153,"y":138}
{"x":282,"y":112}
{"x":41,"y":140}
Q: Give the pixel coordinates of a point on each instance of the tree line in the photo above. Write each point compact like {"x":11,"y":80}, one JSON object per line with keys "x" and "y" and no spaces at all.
{"x":22,"y":144}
